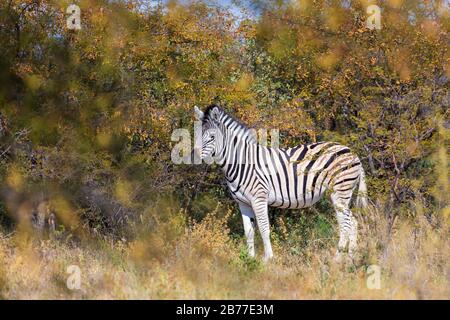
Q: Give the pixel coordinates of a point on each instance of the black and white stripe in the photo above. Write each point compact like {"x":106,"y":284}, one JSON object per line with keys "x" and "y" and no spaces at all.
{"x":293,"y":178}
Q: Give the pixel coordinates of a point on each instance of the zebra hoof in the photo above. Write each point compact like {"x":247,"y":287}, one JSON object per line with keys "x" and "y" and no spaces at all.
{"x":338,"y":257}
{"x":344,"y":258}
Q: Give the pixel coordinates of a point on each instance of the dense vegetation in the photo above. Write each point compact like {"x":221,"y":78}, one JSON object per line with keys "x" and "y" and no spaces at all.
{"x":86,"y":118}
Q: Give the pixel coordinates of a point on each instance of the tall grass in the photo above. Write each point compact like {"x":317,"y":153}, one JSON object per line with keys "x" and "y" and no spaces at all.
{"x":175,"y":258}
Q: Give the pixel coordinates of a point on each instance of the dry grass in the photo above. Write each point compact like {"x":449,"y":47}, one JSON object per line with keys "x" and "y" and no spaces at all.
{"x":184,"y":260}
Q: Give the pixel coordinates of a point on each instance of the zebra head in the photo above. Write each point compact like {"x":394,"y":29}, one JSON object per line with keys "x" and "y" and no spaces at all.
{"x":212,"y":137}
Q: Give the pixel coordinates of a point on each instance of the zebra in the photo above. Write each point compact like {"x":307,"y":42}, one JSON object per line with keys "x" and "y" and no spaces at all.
{"x":259,"y":176}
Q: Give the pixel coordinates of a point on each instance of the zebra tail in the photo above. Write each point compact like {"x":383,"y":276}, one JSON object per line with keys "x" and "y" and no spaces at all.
{"x":361,"y":199}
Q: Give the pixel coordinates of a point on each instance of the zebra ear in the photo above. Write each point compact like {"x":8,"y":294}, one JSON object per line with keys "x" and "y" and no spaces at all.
{"x":215,"y":113}
{"x":198,"y":113}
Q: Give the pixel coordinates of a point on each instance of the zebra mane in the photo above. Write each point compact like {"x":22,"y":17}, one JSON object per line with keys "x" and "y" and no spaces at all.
{"x":207,"y":115}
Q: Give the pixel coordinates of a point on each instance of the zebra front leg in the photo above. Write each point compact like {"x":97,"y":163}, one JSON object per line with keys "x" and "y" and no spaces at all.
{"x":249,"y":227}
{"x":259,"y":206}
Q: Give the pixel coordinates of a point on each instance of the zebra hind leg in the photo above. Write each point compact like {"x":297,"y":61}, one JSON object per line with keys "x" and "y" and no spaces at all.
{"x":348,"y":226}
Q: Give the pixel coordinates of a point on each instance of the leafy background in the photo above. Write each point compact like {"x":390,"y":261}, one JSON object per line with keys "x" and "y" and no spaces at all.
{"x":86,"y":118}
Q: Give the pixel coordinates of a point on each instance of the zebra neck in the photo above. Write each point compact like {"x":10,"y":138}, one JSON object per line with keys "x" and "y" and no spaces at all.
{"x":237,"y":139}
{"x":238,"y":151}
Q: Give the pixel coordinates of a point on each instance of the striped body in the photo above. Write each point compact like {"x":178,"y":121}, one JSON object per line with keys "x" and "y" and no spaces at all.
{"x":259,"y":176}
{"x":296,"y":177}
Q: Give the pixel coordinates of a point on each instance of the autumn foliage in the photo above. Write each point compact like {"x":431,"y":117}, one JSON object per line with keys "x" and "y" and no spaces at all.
{"x":86,"y":118}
